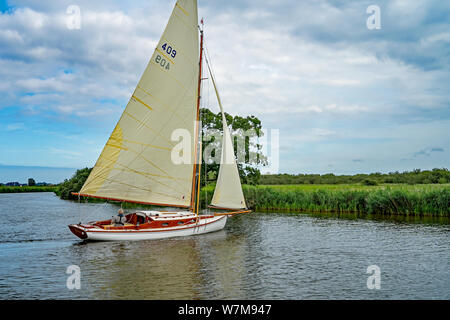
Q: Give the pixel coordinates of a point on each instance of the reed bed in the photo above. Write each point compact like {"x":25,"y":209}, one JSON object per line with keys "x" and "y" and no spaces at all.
{"x":7,"y":189}
{"x":429,"y":200}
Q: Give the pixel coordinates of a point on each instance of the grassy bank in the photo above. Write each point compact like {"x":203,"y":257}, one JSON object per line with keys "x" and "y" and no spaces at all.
{"x":429,"y":200}
{"x":413,"y":198}
{"x":5,"y":189}
{"x":388,"y":199}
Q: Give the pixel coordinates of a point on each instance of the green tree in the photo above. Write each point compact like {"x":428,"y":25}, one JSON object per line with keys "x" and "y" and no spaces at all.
{"x":416,"y":176}
{"x":74,"y":184}
{"x":31,"y":182}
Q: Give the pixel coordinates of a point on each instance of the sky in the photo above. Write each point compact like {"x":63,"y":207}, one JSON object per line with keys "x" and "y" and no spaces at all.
{"x":344,"y":98}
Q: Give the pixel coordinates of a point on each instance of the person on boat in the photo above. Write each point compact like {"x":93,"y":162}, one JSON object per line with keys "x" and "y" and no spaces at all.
{"x":119,"y":220}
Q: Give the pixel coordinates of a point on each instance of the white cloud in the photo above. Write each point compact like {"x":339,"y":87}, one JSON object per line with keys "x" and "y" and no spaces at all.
{"x":15,"y":126}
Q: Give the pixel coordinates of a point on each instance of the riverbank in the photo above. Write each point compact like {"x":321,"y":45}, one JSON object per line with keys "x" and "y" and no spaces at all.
{"x":387,"y":199}
{"x":6,"y":189}
{"x":391,"y":199}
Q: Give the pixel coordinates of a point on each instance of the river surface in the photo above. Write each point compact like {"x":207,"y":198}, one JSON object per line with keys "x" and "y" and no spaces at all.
{"x":256,"y":256}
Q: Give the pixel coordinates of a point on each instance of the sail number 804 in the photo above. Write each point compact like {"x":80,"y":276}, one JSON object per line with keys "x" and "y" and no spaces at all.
{"x":162,"y":62}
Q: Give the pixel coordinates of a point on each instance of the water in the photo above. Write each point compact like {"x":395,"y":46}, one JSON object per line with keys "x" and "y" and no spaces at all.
{"x":256,"y":256}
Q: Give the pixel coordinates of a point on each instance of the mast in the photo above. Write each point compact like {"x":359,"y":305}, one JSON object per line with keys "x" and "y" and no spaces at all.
{"x":195,"y":193}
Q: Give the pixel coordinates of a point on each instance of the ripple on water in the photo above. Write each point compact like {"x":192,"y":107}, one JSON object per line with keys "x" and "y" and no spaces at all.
{"x":257,"y":256}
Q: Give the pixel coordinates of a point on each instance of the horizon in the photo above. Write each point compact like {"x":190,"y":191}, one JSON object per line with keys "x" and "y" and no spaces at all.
{"x":346,"y":99}
{"x":56,"y":175}
{"x":21,"y":174}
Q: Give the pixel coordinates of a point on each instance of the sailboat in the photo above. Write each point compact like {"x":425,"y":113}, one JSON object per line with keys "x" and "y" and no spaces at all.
{"x":136,"y":163}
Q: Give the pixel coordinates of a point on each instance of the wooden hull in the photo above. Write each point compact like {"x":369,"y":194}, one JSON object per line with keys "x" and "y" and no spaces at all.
{"x":203,"y":224}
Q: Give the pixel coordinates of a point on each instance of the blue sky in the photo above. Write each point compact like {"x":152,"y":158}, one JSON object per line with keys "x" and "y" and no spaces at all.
{"x":344,"y":98}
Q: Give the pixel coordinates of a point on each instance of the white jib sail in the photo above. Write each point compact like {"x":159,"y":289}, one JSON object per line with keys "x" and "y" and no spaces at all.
{"x":228,"y":192}
{"x":136,"y":165}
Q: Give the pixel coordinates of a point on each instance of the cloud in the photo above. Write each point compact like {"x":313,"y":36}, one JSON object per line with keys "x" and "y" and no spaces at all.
{"x":427,"y":151}
{"x":309,"y":68}
{"x":37,"y":50}
{"x":268,"y":67}
{"x":15,"y":126}
{"x":65,"y":153}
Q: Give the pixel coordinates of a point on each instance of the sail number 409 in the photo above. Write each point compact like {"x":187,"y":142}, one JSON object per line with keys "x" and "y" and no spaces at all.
{"x":169,"y":50}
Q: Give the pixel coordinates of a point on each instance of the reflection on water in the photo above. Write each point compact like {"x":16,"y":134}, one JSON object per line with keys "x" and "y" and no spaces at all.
{"x":178,"y":268}
{"x":257,"y":256}
{"x":136,"y":267}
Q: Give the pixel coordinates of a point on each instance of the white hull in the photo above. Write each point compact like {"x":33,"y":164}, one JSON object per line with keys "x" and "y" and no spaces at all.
{"x":215,"y":223}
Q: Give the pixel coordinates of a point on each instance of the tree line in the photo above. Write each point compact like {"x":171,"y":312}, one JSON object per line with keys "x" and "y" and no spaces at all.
{"x":415,"y":176}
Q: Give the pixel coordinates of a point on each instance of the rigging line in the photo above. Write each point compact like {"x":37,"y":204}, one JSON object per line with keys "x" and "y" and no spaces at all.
{"x":209,"y":61}
{"x":209,"y":65}
{"x":224,"y":122}
{"x":101,"y":207}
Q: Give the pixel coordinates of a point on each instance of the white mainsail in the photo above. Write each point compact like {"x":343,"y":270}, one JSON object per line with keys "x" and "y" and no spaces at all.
{"x":135,"y":165}
{"x":228,"y":192}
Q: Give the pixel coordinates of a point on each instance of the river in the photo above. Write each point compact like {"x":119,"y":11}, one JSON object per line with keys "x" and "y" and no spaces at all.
{"x":256,"y":256}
